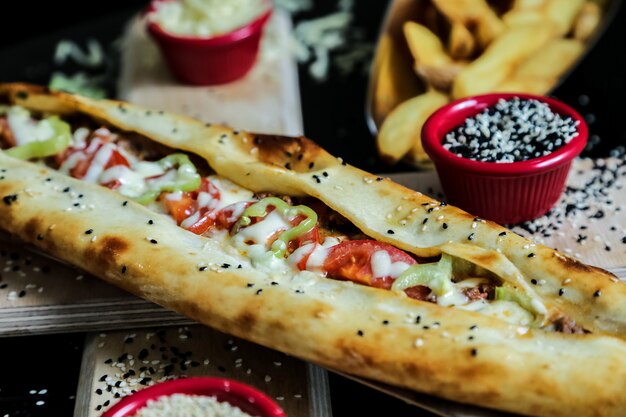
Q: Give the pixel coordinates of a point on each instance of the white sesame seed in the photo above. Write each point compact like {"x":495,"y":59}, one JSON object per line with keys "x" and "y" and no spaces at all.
{"x":419,"y":342}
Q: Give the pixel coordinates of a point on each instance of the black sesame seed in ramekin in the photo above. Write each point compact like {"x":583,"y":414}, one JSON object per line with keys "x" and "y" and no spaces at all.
{"x":512,"y":130}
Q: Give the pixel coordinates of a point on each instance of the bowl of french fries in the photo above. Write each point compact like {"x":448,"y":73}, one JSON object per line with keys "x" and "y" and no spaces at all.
{"x":431,"y":52}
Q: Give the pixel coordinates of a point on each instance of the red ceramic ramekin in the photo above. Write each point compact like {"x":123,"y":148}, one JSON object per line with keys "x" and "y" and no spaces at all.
{"x":212,"y":60}
{"x":503,"y":192}
{"x":248,"y":399}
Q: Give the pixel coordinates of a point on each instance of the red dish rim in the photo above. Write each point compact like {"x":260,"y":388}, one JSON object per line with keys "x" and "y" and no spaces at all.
{"x":130,"y":405}
{"x":242,"y":32}
{"x":441,"y":122}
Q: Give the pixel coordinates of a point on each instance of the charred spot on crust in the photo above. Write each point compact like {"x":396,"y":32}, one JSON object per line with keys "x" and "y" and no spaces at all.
{"x":107,"y":250}
{"x":294,"y":153}
{"x":246,"y":321}
{"x":575,"y":265}
{"x":32,"y":228}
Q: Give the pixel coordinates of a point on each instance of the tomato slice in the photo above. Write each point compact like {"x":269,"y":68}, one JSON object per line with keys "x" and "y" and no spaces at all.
{"x":203,"y":224}
{"x":181,"y":208}
{"x":80,"y":169}
{"x":352,"y":260}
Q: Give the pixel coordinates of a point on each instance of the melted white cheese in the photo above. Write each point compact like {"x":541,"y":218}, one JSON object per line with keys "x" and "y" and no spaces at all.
{"x":259,"y":233}
{"x":25,"y":129}
{"x":98,"y":162}
{"x":382,"y":266}
{"x":132,"y":183}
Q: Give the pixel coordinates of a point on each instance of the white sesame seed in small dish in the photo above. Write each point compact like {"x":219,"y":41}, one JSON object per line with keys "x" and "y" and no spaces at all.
{"x":197,"y":397}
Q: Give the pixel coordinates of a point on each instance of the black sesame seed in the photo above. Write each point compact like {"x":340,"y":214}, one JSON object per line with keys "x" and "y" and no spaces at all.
{"x":597,"y":293}
{"x":9,"y":199}
{"x":153,"y":241}
{"x":22,"y":95}
{"x":470,"y":338}
{"x":143,"y":354}
{"x":561,"y":292}
{"x":385,"y":322}
{"x":21,"y":293}
{"x":274,"y":283}
{"x":239,"y":266}
{"x":471,"y":236}
{"x":250,"y":285}
{"x":103,"y":378}
{"x":99,"y":391}
{"x":299,"y":291}
{"x":418,"y":319}
{"x":360,"y":332}
{"x":317,"y":179}
{"x":502,"y":234}
{"x":3,"y":286}
{"x":445,"y":225}
{"x":123,"y":269}
{"x":425,"y":327}
{"x":98,"y":407}
{"x":311,"y":165}
{"x":531,"y":255}
{"x":225,"y":266}
{"x":390,"y":232}
{"x":221,"y":368}
{"x":125,"y":203}
{"x":88,"y":231}
{"x":66,"y":189}
{"x":474,"y":352}
{"x":207,"y":124}
{"x":288,"y":165}
{"x":108,"y":361}
{"x":379,"y":178}
{"x":202,"y":268}
{"x":325,"y":174}
{"x":76,"y":204}
{"x":430,"y":210}
{"x":39,"y":237}
{"x":425,"y":220}
{"x":259,"y":291}
{"x":533,"y":281}
{"x":473,"y":327}
{"x":150,"y":221}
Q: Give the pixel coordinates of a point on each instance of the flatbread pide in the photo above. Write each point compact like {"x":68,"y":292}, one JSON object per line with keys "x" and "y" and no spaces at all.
{"x":276,"y":241}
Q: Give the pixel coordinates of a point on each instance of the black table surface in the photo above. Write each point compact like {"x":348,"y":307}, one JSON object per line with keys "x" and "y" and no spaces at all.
{"x":334,"y":116}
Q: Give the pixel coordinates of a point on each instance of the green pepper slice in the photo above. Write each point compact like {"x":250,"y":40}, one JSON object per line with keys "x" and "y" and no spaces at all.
{"x":187,"y":178}
{"x":260,"y":209}
{"x":44,"y":148}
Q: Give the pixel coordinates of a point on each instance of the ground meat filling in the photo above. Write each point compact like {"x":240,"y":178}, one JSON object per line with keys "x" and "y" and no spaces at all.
{"x":568,"y":326}
{"x":480,"y":292}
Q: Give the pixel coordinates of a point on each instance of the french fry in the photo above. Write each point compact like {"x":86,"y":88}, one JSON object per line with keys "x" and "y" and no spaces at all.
{"x":395,"y":81}
{"x":562,"y":13}
{"x":474,"y":13}
{"x":432,"y":63}
{"x":500,"y":59}
{"x":425,"y":46}
{"x":402,"y":128}
{"x":541,"y":71}
{"x":461,"y":43}
{"x":587,"y":21}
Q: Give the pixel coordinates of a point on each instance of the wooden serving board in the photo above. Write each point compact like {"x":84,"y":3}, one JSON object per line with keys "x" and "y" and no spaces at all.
{"x":115,"y":364}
